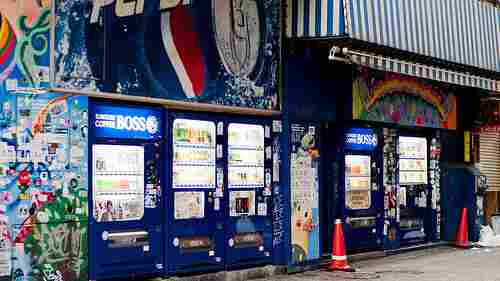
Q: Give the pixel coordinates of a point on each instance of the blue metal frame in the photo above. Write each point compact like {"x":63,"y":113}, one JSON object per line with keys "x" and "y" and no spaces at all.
{"x":196,"y":261}
{"x":105,"y":262}
{"x":363,"y":238}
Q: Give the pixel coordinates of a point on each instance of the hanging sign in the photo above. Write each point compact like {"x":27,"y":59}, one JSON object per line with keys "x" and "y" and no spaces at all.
{"x":360,"y":139}
{"x":127,"y":122}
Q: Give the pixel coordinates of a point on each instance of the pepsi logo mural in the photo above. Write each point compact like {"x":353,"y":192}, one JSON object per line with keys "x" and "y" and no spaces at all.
{"x":213,"y":51}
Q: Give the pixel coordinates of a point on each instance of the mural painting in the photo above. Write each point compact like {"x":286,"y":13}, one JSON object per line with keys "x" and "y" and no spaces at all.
{"x":43,"y":155}
{"x":304,"y":187}
{"x":393,"y":98}
{"x":213,"y":51}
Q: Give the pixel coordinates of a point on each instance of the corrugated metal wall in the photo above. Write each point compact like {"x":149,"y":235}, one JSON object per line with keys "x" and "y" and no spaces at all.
{"x":461,"y":31}
{"x":314,"y":18}
{"x":489,"y":158}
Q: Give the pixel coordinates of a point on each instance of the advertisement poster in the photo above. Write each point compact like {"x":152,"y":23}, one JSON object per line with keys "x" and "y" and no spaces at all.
{"x":189,"y":205}
{"x":246,"y":155}
{"x":194,"y":154}
{"x":358,"y":182}
{"x":393,"y":98}
{"x":118,"y":182}
{"x":305,"y":194}
{"x":412,"y":160}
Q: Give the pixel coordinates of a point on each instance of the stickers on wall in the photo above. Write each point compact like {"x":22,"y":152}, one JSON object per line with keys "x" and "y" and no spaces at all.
{"x":304,"y":194}
{"x":189,"y":205}
{"x":277,"y":126}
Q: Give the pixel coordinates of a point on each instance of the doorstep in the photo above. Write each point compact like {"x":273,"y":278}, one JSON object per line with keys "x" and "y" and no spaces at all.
{"x":235,"y":275}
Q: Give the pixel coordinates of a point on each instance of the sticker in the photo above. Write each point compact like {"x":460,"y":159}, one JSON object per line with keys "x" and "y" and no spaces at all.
{"x":277,"y":126}
{"x":218,"y":259}
{"x":386,"y":227}
{"x":219,"y":192}
{"x":217,"y":204}
{"x":211,"y":253}
{"x":312,"y":130}
{"x":150,"y":197}
{"x":268,"y":153}
{"x":220,"y":177}
{"x":220,"y":128}
{"x":266,"y":191}
{"x":267,"y":132}
{"x":219,"y":151}
{"x":268,"y":177}
{"x":42,"y":217}
{"x":261,"y":248}
{"x":11,"y":84}
{"x":262,"y":209}
{"x":145,"y":248}
{"x":189,"y":205}
{"x":175,"y":242}
{"x":231,"y":242}
{"x":105,"y":235}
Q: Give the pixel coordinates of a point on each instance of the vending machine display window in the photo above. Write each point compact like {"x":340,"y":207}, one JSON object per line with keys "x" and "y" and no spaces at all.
{"x":193,"y":154}
{"x":357,"y":182}
{"x":412,"y":161}
{"x":118,"y":182}
{"x":246,"y":155}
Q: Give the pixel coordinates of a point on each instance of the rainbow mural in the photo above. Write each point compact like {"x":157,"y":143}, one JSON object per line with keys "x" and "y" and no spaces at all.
{"x":7,"y":48}
{"x":393,"y":98}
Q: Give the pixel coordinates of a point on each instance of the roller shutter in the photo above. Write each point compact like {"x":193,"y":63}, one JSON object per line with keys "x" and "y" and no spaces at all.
{"x":489,"y":158}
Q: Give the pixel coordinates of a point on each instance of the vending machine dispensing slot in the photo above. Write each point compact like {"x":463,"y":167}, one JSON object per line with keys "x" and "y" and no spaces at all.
{"x":126,"y":239}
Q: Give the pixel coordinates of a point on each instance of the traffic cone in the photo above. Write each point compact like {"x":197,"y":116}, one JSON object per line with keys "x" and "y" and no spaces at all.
{"x":462,"y":239}
{"x":339,"y":258}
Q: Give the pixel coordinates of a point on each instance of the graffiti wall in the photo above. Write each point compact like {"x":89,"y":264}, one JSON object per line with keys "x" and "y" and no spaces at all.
{"x":43,"y":155}
{"x":393,"y":98}
{"x":43,"y":188}
{"x":213,"y":51}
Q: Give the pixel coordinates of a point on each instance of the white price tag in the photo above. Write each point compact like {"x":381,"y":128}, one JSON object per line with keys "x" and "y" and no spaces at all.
{"x":267,"y":132}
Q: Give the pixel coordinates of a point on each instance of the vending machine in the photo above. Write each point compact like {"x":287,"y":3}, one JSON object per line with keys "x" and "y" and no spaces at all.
{"x":126,"y":176}
{"x":219,"y":193}
{"x":362,"y":196}
{"x":414,"y":191}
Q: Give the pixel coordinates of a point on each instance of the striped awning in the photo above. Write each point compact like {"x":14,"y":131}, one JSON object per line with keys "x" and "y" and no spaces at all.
{"x":422,"y":71}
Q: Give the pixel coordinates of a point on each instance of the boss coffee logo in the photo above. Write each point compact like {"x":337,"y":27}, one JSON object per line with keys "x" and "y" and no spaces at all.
{"x":128,"y":123}
{"x":361,"y":139}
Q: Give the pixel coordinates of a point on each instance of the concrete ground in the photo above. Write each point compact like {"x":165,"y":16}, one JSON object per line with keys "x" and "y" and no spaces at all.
{"x":438,"y":264}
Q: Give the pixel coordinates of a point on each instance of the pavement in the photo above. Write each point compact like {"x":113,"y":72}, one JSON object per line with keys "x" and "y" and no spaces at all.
{"x":436,"y":264}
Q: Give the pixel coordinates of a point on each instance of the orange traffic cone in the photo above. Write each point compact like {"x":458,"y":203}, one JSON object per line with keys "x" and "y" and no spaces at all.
{"x":462,"y":239}
{"x":339,"y":258}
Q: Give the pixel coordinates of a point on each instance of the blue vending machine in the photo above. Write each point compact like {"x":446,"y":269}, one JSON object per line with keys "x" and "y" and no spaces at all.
{"x":414,"y":190}
{"x":126,"y":176}
{"x":219,"y":193}
{"x":362,"y":197}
